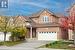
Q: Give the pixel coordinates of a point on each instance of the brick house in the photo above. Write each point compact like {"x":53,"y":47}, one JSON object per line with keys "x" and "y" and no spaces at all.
{"x":43,"y":25}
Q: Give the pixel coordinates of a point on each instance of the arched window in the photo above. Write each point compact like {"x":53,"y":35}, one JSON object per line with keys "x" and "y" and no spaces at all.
{"x":46,"y":19}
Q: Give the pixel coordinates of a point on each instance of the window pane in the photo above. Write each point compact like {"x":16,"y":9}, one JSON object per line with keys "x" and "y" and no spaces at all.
{"x":45,"y":19}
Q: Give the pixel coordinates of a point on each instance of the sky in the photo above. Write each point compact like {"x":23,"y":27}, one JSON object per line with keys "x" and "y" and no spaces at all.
{"x":28,"y":7}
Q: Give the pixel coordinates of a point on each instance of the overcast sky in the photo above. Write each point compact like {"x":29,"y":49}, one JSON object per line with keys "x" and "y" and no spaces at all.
{"x":27,"y":7}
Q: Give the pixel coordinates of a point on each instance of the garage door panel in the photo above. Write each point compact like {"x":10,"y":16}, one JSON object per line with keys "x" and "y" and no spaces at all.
{"x":47,"y":36}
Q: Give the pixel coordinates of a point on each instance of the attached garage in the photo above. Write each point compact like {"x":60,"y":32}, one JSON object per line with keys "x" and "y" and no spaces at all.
{"x":47,"y":36}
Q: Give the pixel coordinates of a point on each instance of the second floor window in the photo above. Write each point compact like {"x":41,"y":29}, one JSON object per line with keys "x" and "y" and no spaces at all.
{"x":45,"y":19}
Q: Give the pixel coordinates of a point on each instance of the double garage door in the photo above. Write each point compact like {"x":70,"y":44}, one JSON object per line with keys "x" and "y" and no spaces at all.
{"x":47,"y":36}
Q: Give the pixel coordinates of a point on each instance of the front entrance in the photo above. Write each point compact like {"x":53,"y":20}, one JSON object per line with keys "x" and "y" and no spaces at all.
{"x":47,"y":36}
{"x":33,"y":33}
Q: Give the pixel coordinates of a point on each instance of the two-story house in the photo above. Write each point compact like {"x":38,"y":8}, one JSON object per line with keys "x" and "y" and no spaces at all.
{"x":44,"y":25}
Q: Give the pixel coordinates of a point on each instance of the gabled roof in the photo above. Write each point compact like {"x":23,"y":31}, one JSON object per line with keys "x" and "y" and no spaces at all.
{"x":27,"y":18}
{"x":40,"y":12}
{"x":24,"y":17}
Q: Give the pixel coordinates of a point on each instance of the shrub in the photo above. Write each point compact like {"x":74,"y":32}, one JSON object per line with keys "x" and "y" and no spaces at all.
{"x":56,"y":42}
{"x":47,"y":45}
{"x":18,"y":33}
{"x":1,"y":43}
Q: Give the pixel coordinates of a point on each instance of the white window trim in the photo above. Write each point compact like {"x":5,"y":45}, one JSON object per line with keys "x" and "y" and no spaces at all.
{"x":45,"y":19}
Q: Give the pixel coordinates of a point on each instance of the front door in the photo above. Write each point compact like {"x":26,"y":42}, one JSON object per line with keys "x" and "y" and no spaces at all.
{"x":33,"y":33}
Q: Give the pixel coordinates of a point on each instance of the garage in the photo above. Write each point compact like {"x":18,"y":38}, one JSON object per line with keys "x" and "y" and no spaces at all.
{"x":47,"y":36}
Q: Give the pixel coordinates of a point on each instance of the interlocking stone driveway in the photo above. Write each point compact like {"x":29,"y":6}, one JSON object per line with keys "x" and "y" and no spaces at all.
{"x":29,"y":45}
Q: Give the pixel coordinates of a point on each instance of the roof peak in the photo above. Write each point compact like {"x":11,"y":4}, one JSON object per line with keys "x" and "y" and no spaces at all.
{"x":41,"y":11}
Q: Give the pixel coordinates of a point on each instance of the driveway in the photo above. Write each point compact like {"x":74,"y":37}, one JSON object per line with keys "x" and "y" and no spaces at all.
{"x":29,"y":45}
{"x":32,"y":44}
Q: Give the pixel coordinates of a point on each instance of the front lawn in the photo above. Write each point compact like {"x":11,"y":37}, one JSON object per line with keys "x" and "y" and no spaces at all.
{"x":10,"y":43}
{"x":59,"y":45}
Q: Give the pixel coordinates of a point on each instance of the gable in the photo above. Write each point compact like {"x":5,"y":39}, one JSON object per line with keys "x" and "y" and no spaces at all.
{"x":19,"y":19}
{"x":45,"y":14}
{"x":46,"y":11}
{"x":49,"y":16}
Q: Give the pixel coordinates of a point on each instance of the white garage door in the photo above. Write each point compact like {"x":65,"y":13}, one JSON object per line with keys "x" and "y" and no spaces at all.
{"x":47,"y":36}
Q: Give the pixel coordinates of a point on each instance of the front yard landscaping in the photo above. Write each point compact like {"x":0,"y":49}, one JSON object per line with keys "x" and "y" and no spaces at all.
{"x":10,"y":43}
{"x":59,"y":45}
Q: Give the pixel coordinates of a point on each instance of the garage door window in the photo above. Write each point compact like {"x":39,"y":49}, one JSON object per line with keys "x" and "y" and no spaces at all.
{"x":46,"y":32}
{"x":39,"y":32}
{"x":49,"y":32}
{"x":55,"y":32}
{"x":52,"y":32}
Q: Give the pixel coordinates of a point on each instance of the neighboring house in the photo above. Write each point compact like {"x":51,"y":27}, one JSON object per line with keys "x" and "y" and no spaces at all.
{"x":71,"y":12}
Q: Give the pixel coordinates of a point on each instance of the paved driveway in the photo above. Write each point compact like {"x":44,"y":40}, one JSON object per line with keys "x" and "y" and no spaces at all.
{"x":32,"y":44}
{"x":29,"y":45}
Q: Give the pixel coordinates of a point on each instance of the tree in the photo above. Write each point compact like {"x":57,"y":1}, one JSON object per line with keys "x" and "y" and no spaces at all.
{"x":19,"y":30}
{"x":16,"y":27}
{"x":64,"y":22}
{"x":18,"y":33}
{"x":4,"y":25}
{"x":71,"y":20}
{"x":69,"y":23}
{"x":64,"y":27}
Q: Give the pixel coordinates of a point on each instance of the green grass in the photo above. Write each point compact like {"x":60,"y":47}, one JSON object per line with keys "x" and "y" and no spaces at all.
{"x":59,"y":45}
{"x":10,"y":43}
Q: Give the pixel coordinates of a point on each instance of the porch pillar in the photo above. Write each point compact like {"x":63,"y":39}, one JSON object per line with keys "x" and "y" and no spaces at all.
{"x":31,"y":32}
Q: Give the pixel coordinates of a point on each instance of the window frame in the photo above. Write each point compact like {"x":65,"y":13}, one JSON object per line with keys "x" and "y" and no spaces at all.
{"x":45,"y":19}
